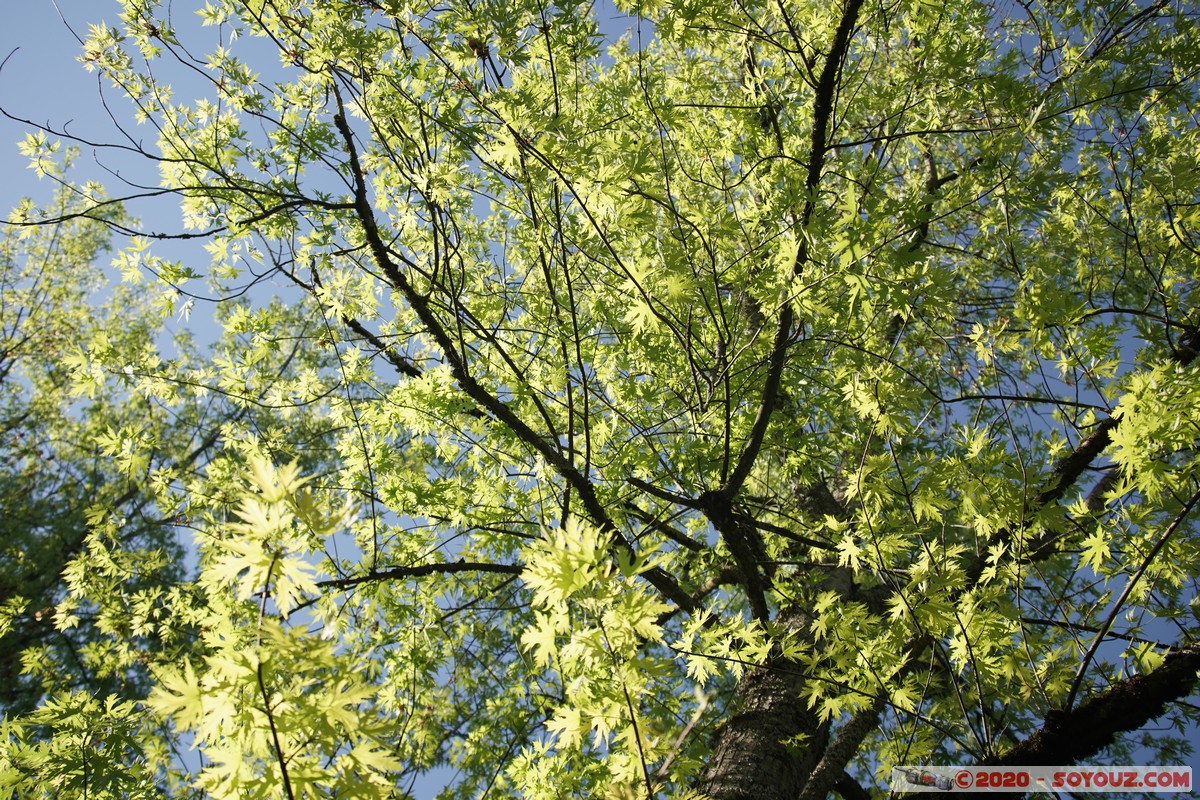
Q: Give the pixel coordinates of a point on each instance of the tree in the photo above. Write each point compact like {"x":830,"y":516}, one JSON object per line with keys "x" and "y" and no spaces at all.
{"x":104,"y":463}
{"x":736,"y":408}
{"x":57,"y":475}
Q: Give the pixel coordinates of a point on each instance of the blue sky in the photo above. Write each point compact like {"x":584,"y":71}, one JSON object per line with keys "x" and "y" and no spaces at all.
{"x":42,"y":80}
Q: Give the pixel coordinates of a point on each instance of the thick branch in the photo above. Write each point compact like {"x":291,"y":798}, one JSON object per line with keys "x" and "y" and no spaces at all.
{"x":402,"y":364}
{"x":831,"y":769}
{"x":458,"y":367}
{"x":487,"y":401}
{"x":1119,"y":604}
{"x":1070,"y":467}
{"x":850,"y":789}
{"x":822,"y":112}
{"x":744,"y":545}
{"x":743,"y":542}
{"x":1071,"y":737}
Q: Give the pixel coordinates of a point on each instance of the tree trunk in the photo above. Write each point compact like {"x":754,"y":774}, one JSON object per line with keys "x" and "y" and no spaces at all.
{"x":757,"y":754}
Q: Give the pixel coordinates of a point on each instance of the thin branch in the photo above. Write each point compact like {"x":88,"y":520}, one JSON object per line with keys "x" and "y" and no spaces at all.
{"x":420,"y":570}
{"x":661,"y":494}
{"x":666,"y":530}
{"x":787,"y":534}
{"x":287,"y":781}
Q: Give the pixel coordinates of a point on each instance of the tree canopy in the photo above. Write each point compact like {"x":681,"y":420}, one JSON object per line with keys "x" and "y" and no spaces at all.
{"x":683,"y":399}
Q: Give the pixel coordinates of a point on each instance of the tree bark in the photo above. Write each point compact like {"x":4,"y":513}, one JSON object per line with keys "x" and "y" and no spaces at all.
{"x":1068,"y":737}
{"x":756,"y":754}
